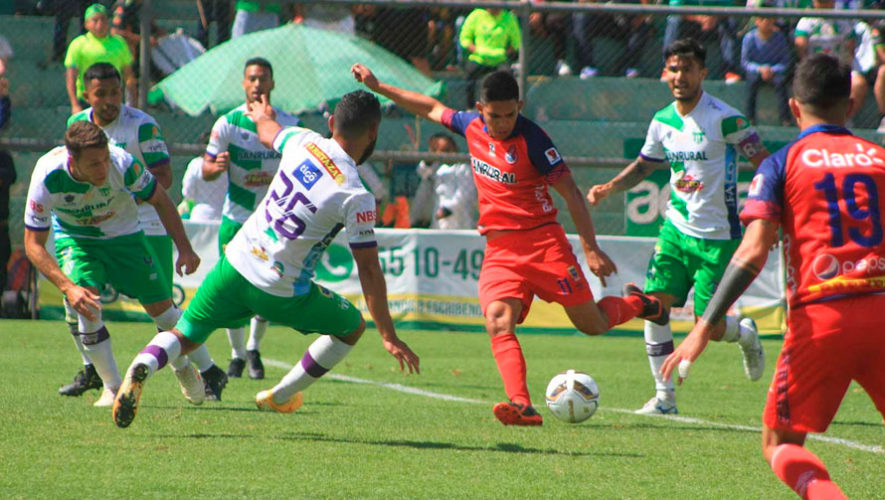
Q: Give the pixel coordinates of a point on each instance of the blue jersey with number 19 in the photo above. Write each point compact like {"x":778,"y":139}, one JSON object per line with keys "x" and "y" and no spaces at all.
{"x":824,"y":189}
{"x":315,"y":193}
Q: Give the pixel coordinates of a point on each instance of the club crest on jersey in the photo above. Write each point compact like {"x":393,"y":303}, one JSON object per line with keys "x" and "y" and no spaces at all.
{"x":698,"y":137}
{"x":756,"y":185}
{"x":552,"y":156}
{"x":326,"y":162}
{"x":573,"y":272}
{"x":492,"y":148}
{"x":512,"y":155}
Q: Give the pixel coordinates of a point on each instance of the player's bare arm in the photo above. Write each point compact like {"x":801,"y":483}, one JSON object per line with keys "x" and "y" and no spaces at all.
{"x":131,"y":85}
{"x":375,"y":292}
{"x":82,"y":299}
{"x":163,"y":174}
{"x":187,"y":258}
{"x":214,"y":167}
{"x":626,"y":179}
{"x":599,"y":263}
{"x":745,"y":265}
{"x":71,"y":86}
{"x":262,"y":113}
{"x":418,"y":104}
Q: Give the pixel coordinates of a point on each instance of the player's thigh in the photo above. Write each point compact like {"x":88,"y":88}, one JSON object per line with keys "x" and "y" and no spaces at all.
{"x":318,"y":311}
{"x":557,"y":276}
{"x":226,"y":232}
{"x":220,"y":302}
{"x":668,"y":271}
{"x":709,"y":261}
{"x":867,"y":341}
{"x":812,"y":374}
{"x":133,"y":270}
{"x":500,"y":279}
{"x":81,"y":263}
{"x":161,"y":246}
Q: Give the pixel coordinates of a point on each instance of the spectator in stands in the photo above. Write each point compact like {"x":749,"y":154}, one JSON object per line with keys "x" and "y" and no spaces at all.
{"x":65,"y":10}
{"x":878,"y":35}
{"x":765,"y":58}
{"x":705,"y":28}
{"x":202,"y":200}
{"x":441,"y":37}
{"x":255,"y":15}
{"x":403,"y":31}
{"x":635,"y":29}
{"x":6,"y":54}
{"x":492,"y":38}
{"x":446,"y":197}
{"x":556,"y":27}
{"x":7,"y":178}
{"x":217,"y":11}
{"x":126,"y":22}
{"x":96,"y":46}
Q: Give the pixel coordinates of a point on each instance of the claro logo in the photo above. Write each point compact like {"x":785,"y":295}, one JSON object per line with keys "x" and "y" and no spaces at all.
{"x":825,"y":158}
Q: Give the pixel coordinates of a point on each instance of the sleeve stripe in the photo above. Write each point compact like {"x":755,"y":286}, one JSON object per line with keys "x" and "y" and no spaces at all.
{"x":153,"y":190}
{"x":210,"y":155}
{"x":34,"y":228}
{"x":159,"y":163}
{"x":367,"y":244}
{"x":649,"y":158}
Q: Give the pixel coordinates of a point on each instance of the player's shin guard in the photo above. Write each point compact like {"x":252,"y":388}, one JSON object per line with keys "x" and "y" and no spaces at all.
{"x":620,"y":309}
{"x":511,"y":366}
{"x":161,"y":349}
{"x":659,"y":345}
{"x":256,"y":333}
{"x":237,"y":339}
{"x":321,"y":356}
{"x":71,"y":318}
{"x":804,"y":473}
{"x":97,"y":343}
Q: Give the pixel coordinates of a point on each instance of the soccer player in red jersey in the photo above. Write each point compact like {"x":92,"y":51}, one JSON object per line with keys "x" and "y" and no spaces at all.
{"x":527,"y":252}
{"x":823,"y":192}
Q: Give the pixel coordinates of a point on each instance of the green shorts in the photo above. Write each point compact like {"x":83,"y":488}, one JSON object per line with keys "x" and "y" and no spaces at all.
{"x":681,"y":261}
{"x":227,"y":300}
{"x":126,"y":262}
{"x":226,"y":232}
{"x":162,"y":248}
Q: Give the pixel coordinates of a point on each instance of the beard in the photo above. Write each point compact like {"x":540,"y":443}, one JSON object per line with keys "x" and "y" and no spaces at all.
{"x":368,"y":152}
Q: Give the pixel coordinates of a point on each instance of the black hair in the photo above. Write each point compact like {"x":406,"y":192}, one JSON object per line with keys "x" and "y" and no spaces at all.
{"x":442,"y":136}
{"x":687,"y":47}
{"x":823,"y":83}
{"x":101,"y":71}
{"x":356,"y":113}
{"x":259,"y":61}
{"x":499,"y":86}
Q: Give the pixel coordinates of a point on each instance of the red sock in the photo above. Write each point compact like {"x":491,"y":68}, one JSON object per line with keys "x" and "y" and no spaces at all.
{"x":511,"y":365}
{"x":802,"y":471}
{"x":620,"y":309}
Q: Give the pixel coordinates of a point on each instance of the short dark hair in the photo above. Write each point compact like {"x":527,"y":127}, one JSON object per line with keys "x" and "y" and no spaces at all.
{"x":442,"y":136}
{"x":83,"y":135}
{"x":823,"y":83}
{"x":101,"y":71}
{"x":356,"y":113}
{"x":687,"y":47}
{"x":259,"y":61}
{"x":499,"y":86}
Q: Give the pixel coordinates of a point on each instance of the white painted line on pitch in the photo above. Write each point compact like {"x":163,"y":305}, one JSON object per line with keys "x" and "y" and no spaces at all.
{"x":675,"y":418}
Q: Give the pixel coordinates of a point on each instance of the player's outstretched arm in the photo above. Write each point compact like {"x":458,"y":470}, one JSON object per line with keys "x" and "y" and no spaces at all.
{"x":626,"y":179}
{"x":418,"y":104}
{"x":599,"y":263}
{"x":375,"y":293}
{"x":81,"y":299}
{"x":187,"y":258}
{"x":745,"y":265}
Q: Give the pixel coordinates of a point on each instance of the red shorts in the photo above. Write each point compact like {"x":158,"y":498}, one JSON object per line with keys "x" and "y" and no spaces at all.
{"x":522,"y":264}
{"x":827,"y":345}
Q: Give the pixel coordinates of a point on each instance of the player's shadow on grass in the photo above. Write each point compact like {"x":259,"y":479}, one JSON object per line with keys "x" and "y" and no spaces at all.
{"x":437,"y":445}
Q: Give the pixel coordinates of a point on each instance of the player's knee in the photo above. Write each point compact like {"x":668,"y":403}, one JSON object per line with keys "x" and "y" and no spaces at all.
{"x":596,"y":326}
{"x":353,"y":337}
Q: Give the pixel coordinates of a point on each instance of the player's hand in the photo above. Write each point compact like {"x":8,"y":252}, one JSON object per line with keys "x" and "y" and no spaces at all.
{"x":187,"y":259}
{"x":365,"y":75}
{"x":261,"y":109}
{"x":687,"y":352}
{"x":600,"y":264}
{"x":222,"y":161}
{"x":598,"y":193}
{"x":84,"y":301}
{"x":399,"y":350}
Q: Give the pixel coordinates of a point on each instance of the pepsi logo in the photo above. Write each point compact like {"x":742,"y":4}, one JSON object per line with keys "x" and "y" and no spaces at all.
{"x":825,"y":266}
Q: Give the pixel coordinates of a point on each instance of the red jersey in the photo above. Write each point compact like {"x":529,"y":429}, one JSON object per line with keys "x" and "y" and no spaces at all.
{"x":824,"y":190}
{"x":512,"y":174}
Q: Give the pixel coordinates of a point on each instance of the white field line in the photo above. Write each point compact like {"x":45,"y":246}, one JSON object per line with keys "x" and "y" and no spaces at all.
{"x":674,"y":418}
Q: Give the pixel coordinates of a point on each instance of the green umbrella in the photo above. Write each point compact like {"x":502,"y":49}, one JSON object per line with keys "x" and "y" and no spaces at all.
{"x":311,"y":67}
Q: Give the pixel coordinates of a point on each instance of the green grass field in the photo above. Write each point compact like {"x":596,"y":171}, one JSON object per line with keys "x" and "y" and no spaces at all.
{"x":365,"y":437}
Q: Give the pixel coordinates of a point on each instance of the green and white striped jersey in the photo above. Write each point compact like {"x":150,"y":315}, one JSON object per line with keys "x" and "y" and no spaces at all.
{"x":252,"y":166}
{"x":702,"y":150}
{"x":826,"y":35}
{"x":80,"y":209}
{"x":138,"y":133}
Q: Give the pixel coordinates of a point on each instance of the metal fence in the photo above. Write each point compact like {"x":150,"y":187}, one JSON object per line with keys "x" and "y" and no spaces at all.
{"x":589,"y":72}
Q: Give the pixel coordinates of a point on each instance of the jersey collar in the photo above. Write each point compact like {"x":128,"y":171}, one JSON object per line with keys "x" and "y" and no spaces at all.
{"x":825,"y":128}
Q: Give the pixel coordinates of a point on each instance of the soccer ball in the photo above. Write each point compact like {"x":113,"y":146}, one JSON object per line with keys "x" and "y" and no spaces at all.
{"x":572,"y":396}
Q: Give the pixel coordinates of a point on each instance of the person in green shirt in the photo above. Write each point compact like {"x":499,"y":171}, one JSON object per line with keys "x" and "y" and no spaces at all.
{"x":491,"y":37}
{"x":96,"y":46}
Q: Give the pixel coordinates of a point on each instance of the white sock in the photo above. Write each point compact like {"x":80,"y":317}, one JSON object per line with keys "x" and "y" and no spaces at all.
{"x":258,"y":329}
{"x":237,"y":338}
{"x":167,"y":319}
{"x":161,"y":349}
{"x":98,"y":347}
{"x":180,"y":363}
{"x":200,"y":356}
{"x":75,"y":333}
{"x":732,"y":330}
{"x":323,"y":354}
{"x":659,"y":345}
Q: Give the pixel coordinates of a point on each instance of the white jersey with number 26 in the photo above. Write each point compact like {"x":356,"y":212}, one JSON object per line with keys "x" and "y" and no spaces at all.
{"x":315,"y":193}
